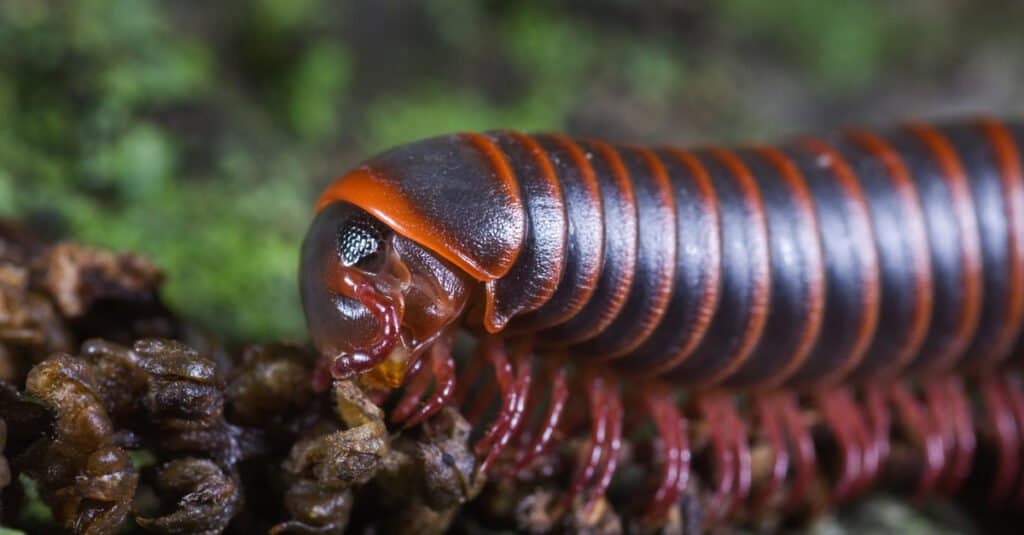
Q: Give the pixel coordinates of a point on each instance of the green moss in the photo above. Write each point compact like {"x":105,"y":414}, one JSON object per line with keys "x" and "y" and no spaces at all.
{"x":284,"y":15}
{"x":317,"y":89}
{"x":842,"y":43}
{"x":430,"y":112}
{"x":34,"y":512}
{"x":7,"y":194}
{"x":138,"y":164}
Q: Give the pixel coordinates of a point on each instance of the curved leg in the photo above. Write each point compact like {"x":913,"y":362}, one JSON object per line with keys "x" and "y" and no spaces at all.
{"x":515,"y":404}
{"x":741,"y":454}
{"x":443,"y":366}
{"x":720,"y":430}
{"x":918,"y":425}
{"x":838,"y":420}
{"x":670,"y":424}
{"x":524,"y":434}
{"x":1004,"y":427}
{"x":770,"y":418}
{"x":967,"y":439}
{"x":804,"y":456}
{"x":950,"y":412}
{"x":612,"y":444}
{"x":1015,"y":395}
{"x":597,"y":396}
{"x":322,"y":376}
{"x":419,"y":380}
{"x":494,"y":352}
{"x":879,"y":425}
{"x":542,"y":438}
{"x":870,"y":460}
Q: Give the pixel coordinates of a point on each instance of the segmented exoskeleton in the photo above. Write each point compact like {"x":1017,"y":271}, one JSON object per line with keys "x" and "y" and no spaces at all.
{"x":833,"y":268}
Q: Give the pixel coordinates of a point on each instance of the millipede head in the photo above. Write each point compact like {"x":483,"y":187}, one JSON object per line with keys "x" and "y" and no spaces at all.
{"x":373,"y":299}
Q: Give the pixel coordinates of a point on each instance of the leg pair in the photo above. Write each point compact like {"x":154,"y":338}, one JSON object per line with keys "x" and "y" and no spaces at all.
{"x":730,"y":451}
{"x":513,"y":375}
{"x":783,"y":426}
{"x":437,"y":369}
{"x":659,"y":402}
{"x":1003,"y":397}
{"x":601,"y":455}
{"x":858,"y":448}
{"x":939,"y":425}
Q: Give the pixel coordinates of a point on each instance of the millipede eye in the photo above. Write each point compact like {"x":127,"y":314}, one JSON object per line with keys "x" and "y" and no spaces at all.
{"x":359,"y":243}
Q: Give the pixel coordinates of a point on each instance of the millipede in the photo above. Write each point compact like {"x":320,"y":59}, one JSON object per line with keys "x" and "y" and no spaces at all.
{"x":863,"y":286}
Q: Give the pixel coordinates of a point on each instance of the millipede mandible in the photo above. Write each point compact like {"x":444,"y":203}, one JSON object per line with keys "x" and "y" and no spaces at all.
{"x":874,"y":279}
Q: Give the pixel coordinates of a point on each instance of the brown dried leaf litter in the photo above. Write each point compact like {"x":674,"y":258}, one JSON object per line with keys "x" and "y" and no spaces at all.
{"x":122,"y":418}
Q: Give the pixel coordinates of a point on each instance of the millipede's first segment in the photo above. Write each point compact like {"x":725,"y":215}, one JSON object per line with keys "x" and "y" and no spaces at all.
{"x":843,"y":291}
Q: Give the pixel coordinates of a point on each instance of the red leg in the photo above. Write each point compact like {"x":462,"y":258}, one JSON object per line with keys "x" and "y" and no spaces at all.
{"x":838,"y":421}
{"x":322,"y":376}
{"x":804,"y":456}
{"x":522,"y":360}
{"x":549,"y":423}
{"x":675,"y":466}
{"x":741,"y":455}
{"x":494,"y":351}
{"x":720,"y":431}
{"x":950,"y":411}
{"x":879,"y":425}
{"x":916,"y":421}
{"x":768,"y":415}
{"x":524,"y":434}
{"x":1015,"y":395}
{"x":940,"y":417}
{"x":612,"y":444}
{"x":967,"y":439}
{"x":1004,"y":426}
{"x":869,"y":455}
{"x":419,"y":380}
{"x":443,"y":366}
{"x":596,"y":391}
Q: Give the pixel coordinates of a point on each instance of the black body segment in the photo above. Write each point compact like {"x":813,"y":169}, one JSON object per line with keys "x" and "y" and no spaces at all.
{"x":798,"y":272}
{"x":615,"y":280}
{"x":997,"y":191}
{"x":953,"y":242}
{"x":904,"y":257}
{"x":538,"y":269}
{"x":743,"y":304}
{"x":698,"y":279}
{"x":852,"y":281}
{"x":584,"y":251}
{"x":655,"y":259}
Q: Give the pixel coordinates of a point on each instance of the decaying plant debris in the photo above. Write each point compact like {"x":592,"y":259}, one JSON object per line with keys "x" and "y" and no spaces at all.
{"x":119,"y":417}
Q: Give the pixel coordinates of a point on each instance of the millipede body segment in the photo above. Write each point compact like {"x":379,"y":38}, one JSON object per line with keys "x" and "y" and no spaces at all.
{"x":833,"y":268}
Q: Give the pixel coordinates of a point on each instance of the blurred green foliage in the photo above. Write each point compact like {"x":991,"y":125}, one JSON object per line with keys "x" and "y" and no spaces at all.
{"x":200,"y":133}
